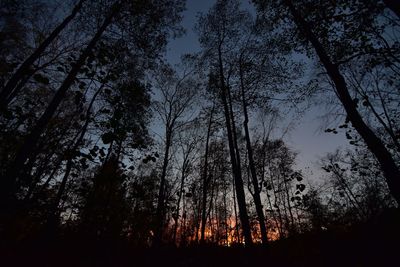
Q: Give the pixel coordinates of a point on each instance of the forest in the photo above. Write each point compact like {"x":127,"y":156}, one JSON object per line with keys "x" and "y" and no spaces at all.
{"x":112,"y":154}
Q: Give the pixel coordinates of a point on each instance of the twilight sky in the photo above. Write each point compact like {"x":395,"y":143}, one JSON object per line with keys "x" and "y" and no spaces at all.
{"x":307,"y":138}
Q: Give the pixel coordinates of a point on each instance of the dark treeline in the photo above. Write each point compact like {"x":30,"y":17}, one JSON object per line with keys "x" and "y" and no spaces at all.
{"x":102,"y":139}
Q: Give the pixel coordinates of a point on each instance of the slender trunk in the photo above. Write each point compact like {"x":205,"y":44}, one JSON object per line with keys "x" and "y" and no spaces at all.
{"x":256,"y":195}
{"x":349,"y":194}
{"x":226,"y":216}
{"x":183,"y":226}
{"x":205,"y":179}
{"x":40,"y":148}
{"x":183,"y":174}
{"x":373,"y":142}
{"x":291,"y":226}
{"x":235,"y":170}
{"x":278,"y":210}
{"x":210,"y":206}
{"x":9,"y":180}
{"x":53,"y":213}
{"x":235,"y":213}
{"x":24,"y":70}
{"x":161,"y":192}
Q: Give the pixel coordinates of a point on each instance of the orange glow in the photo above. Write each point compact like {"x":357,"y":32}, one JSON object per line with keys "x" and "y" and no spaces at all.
{"x":226,"y":235}
{"x":273,"y":235}
{"x":231,"y":237}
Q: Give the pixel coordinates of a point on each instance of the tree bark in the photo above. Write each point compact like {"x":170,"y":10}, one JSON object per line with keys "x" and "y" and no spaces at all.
{"x":205,"y":180}
{"x":241,"y":198}
{"x":183,"y":176}
{"x":373,"y":142}
{"x":17,"y":79}
{"x":161,"y":192}
{"x":235,"y":212}
{"x":256,"y":195}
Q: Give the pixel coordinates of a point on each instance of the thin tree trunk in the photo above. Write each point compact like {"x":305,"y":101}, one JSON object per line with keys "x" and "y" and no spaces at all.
{"x":183,"y":174}
{"x":17,"y":79}
{"x":53,"y":213}
{"x":235,"y":170}
{"x":278,"y":210}
{"x":289,"y":207}
{"x":235,"y":213}
{"x":256,"y":195}
{"x":161,"y":192}
{"x":373,"y":142}
{"x":205,"y":179}
{"x":225,"y":215}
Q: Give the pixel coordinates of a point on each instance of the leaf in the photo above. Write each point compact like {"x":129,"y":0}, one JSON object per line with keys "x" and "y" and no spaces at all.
{"x":301,"y":187}
{"x":41,"y":79}
{"x":102,"y":153}
{"x":326,"y":169}
{"x":107,"y":138}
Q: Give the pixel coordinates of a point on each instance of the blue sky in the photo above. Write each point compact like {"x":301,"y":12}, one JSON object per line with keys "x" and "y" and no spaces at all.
{"x":307,"y":138}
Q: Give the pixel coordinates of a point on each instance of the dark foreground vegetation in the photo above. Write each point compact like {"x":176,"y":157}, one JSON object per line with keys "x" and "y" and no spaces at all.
{"x":112,"y":156}
{"x":370,"y":244}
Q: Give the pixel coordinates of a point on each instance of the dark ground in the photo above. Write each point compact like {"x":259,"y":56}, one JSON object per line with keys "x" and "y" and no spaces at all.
{"x":372,"y":244}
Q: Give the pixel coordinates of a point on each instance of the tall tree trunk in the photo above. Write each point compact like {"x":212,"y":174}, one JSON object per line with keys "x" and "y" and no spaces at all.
{"x":205,"y":179}
{"x":226,"y":216}
{"x":373,"y":142}
{"x":256,"y":195}
{"x":8,"y":182}
{"x":235,"y":212}
{"x":183,"y":175}
{"x":241,"y":198}
{"x":210,"y":205}
{"x":24,"y":69}
{"x":291,"y":226}
{"x":161,"y":192}
{"x":54,"y":213}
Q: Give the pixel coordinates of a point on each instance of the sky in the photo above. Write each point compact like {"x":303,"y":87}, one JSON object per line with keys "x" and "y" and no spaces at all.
{"x":308,"y":138}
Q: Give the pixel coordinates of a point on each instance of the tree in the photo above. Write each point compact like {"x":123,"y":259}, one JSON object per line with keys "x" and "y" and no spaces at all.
{"x":326,"y":41}
{"x":147,"y":45}
{"x":219,"y":31}
{"x":188,"y":139}
{"x":177,"y":96}
{"x":104,"y":212}
{"x":205,"y":177}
